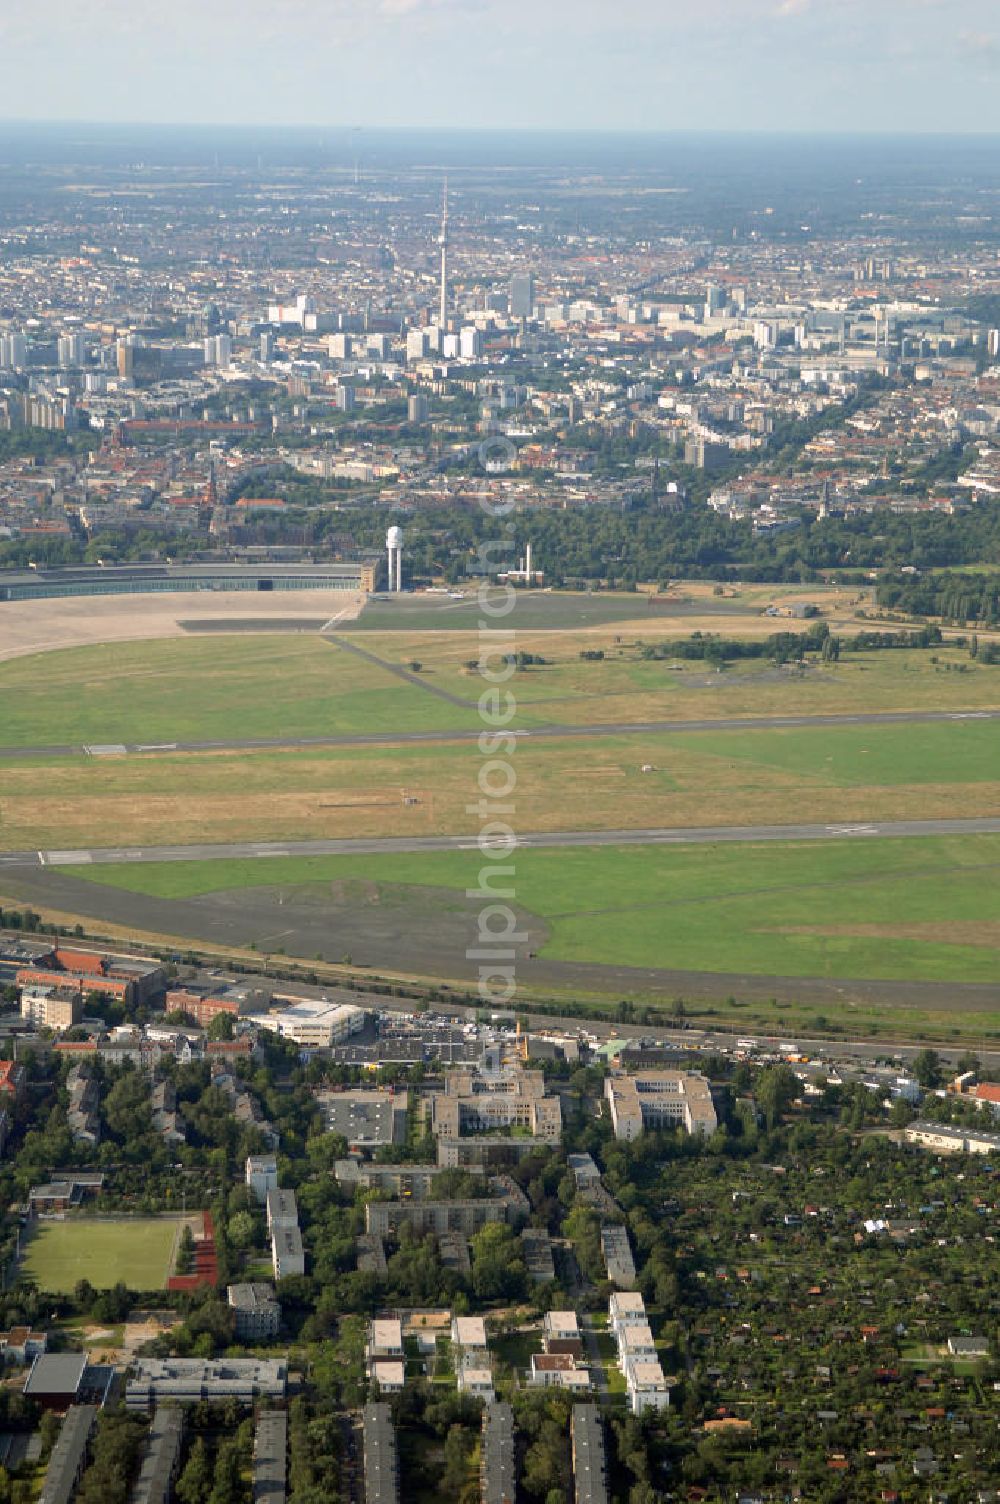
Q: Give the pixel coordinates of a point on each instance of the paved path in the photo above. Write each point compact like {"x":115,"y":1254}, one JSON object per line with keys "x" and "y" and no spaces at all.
{"x":594,"y":1360}
{"x":397,"y":669}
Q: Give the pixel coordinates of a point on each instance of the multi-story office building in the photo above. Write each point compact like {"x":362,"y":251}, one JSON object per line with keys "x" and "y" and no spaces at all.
{"x":659,"y":1099}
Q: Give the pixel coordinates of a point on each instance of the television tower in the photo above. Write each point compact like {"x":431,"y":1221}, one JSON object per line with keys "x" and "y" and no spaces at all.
{"x":443,"y":243}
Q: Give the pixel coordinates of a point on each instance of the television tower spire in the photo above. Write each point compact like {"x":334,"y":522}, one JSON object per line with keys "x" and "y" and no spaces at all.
{"x":443,"y":243}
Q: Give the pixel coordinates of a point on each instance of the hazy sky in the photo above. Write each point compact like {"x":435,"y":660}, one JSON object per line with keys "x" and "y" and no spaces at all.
{"x":931,"y":65}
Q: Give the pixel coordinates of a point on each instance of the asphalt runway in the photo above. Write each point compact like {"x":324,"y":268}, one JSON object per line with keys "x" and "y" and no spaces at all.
{"x":705,"y":835}
{"x":549,"y":732}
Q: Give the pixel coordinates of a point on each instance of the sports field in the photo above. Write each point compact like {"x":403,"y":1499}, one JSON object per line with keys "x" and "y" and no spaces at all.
{"x":138,"y":1250}
{"x":914,"y":909}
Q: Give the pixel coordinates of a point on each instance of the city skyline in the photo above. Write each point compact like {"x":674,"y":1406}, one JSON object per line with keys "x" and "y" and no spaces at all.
{"x":912,"y":66}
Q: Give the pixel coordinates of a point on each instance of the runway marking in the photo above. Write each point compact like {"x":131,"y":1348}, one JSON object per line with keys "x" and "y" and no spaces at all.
{"x":64,"y":858}
{"x":157,"y":747}
{"x":853,"y":830}
{"x":109,"y":749}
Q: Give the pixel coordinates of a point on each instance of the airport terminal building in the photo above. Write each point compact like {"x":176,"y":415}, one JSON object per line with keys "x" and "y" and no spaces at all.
{"x":357,"y":576}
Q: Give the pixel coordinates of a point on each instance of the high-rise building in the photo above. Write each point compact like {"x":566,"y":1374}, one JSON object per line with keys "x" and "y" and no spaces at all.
{"x":471,"y":343}
{"x":416,"y":408}
{"x":715,"y":300}
{"x":126,"y":359}
{"x":522,"y":295}
{"x":219,"y":351}
{"x":13,"y":352}
{"x":266,"y":347}
{"x":443,"y":242}
{"x":70,"y":350}
{"x":417,"y":344}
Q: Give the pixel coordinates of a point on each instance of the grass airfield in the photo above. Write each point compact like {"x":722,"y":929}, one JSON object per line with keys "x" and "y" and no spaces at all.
{"x":885,"y":909}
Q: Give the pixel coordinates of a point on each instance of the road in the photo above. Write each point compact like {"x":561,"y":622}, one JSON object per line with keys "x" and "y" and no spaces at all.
{"x":393,"y":845}
{"x":548,"y":732}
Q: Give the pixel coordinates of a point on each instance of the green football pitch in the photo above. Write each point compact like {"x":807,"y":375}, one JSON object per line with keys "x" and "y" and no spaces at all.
{"x":138,"y":1250}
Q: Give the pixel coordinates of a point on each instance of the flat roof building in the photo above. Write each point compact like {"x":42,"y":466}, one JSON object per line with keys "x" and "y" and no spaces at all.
{"x":270,"y":1447}
{"x":287,"y":1254}
{"x":660,"y":1099}
{"x":647,"y":1388}
{"x":261,"y":1175}
{"x":315,"y":1023}
{"x":386,"y":1217}
{"x":187,"y":1381}
{"x":282,"y":1209}
{"x":474,"y":1102}
{"x":385,"y":1338}
{"x":161,"y":1462}
{"x":497,"y":1468}
{"x":256,"y":1311}
{"x":159,"y":579}
{"x":617,"y":1253}
{"x":536,"y":1246}
{"x":948,"y":1140}
{"x":51,"y":1007}
{"x":590,"y":1468}
{"x":557,"y":1371}
{"x":367,"y":1119}
{"x":69,"y":1455}
{"x":465,"y":1153}
{"x":381,"y":1461}
{"x":55,"y":1379}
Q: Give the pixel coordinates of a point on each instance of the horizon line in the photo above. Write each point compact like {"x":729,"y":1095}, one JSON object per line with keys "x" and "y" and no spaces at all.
{"x":652,"y":132}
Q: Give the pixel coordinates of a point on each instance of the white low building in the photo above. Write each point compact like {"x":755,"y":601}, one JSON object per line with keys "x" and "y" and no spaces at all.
{"x":558,"y":1371}
{"x":261,"y":1175}
{"x":647,"y":1388}
{"x":389,"y":1374}
{"x":468,"y":1340}
{"x":626,"y":1308}
{"x":315,"y":1023}
{"x":477,"y":1382}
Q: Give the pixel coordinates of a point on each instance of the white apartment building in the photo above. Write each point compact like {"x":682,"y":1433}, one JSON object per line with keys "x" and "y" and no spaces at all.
{"x":261,"y":1175}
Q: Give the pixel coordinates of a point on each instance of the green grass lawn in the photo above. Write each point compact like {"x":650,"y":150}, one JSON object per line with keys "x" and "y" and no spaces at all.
{"x":907,"y":909}
{"x":134,"y":1249}
{"x":247,"y":686}
{"x":191,"y":689}
{"x":963,"y":751}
